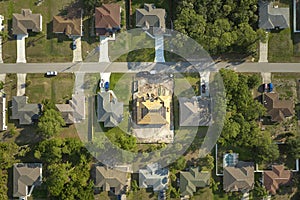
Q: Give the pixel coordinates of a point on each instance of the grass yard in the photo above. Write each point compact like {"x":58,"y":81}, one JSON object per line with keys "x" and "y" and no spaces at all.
{"x":187,"y":86}
{"x":142,"y":194}
{"x":121,"y":85}
{"x":59,"y":89}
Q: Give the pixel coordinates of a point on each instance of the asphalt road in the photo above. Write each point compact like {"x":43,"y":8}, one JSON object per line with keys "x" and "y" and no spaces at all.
{"x":127,"y":67}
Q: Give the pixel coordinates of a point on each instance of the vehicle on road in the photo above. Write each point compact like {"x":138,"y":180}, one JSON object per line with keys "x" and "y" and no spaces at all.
{"x":51,"y":73}
{"x":106,"y":86}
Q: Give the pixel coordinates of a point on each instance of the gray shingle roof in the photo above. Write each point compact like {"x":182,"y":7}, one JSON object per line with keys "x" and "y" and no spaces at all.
{"x":26,"y":21}
{"x":74,"y":111}
{"x":107,"y":178}
{"x":270,"y":17}
{"x":195,"y":111}
{"x":154,"y":176}
{"x":192,"y":179}
{"x":110,"y":110}
{"x":24,"y":175}
{"x":149,"y":16}
{"x":24,"y":112}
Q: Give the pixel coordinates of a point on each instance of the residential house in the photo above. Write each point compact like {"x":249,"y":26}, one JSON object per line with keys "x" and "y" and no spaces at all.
{"x":26,"y":21}
{"x":195,"y":111}
{"x":24,"y":112}
{"x":74,"y":111}
{"x":113,"y":180}
{"x":276,"y":177}
{"x":110,"y":110}
{"x":3,"y":126}
{"x":25,"y":177}
{"x":107,"y":19}
{"x":154,"y":177}
{"x":239,"y":177}
{"x":272,"y":17}
{"x":150,"y":16}
{"x":152,"y":110}
{"x":193,"y":179}
{"x":70,"y":25}
{"x":277,"y":109}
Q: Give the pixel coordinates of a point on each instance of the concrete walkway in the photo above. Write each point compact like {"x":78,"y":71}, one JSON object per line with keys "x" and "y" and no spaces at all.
{"x":21,"y":83}
{"x":1,"y":60}
{"x":21,"y":57}
{"x":77,"y":55}
{"x":263,"y":52}
{"x":159,"y":49}
{"x":79,"y":83}
{"x":103,"y":48}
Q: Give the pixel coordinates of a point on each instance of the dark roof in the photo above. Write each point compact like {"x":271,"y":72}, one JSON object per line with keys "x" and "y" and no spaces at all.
{"x":26,"y":21}
{"x":24,"y":112}
{"x":110,"y":110}
{"x":193,"y":179}
{"x":150,"y":16}
{"x":276,"y":177}
{"x":277,"y":109}
{"x":239,"y":177}
{"x":195,"y":111}
{"x":107,"y":17}
{"x":270,"y":17}
{"x":107,"y":178}
{"x":67,"y":25}
{"x":25,"y":175}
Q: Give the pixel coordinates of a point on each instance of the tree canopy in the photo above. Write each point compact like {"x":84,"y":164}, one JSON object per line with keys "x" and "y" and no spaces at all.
{"x":67,"y":164}
{"x":243,"y":112}
{"x":50,"y":123}
{"x":219,"y":25}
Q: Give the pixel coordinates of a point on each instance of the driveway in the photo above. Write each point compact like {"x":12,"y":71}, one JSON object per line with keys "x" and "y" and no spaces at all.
{"x":159,"y":49}
{"x":21,"y":83}
{"x":103,"y":54}
{"x":266,"y":77}
{"x":104,"y":77}
{"x":21,"y":57}
{"x":77,"y":55}
{"x":263,"y":52}
{"x":1,"y":60}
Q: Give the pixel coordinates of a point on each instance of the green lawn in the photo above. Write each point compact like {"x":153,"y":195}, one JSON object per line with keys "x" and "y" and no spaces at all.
{"x":58,"y":88}
{"x":121,"y":84}
{"x":142,"y":195}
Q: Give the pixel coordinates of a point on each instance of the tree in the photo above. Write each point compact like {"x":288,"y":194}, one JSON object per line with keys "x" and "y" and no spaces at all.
{"x":293,"y":144}
{"x":253,"y":81}
{"x":259,"y":192}
{"x":3,"y":185}
{"x":50,"y":123}
{"x":8,"y":151}
{"x":90,"y":5}
{"x":180,"y":163}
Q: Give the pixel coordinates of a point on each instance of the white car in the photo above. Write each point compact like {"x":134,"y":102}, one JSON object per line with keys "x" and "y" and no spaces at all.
{"x":51,"y":73}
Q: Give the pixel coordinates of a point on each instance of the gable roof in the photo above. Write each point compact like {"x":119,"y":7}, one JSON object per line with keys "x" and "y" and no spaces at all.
{"x":74,"y":111}
{"x":24,"y":175}
{"x":110,"y":110}
{"x":276,"y":177}
{"x":192,"y":179}
{"x":150,"y":16}
{"x":23,"y":111}
{"x":154,"y":176}
{"x":107,"y":178}
{"x":67,"y":25}
{"x":195,"y":111}
{"x":107,"y":16}
{"x":270,"y":17}
{"x":278,"y":109}
{"x":239,"y":177}
{"x":26,"y":21}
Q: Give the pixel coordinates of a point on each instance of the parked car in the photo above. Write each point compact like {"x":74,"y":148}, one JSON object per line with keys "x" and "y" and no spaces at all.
{"x":203,"y":88}
{"x":51,"y":73}
{"x":271,"y":87}
{"x":106,"y":86}
{"x":73,"y":45}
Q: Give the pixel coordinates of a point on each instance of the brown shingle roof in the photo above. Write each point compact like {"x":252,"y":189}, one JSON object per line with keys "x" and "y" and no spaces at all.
{"x":107,"y":17}
{"x":278,"y":109}
{"x":239,"y":178}
{"x":276,"y":177}
{"x":68,"y":26}
{"x":26,"y":21}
